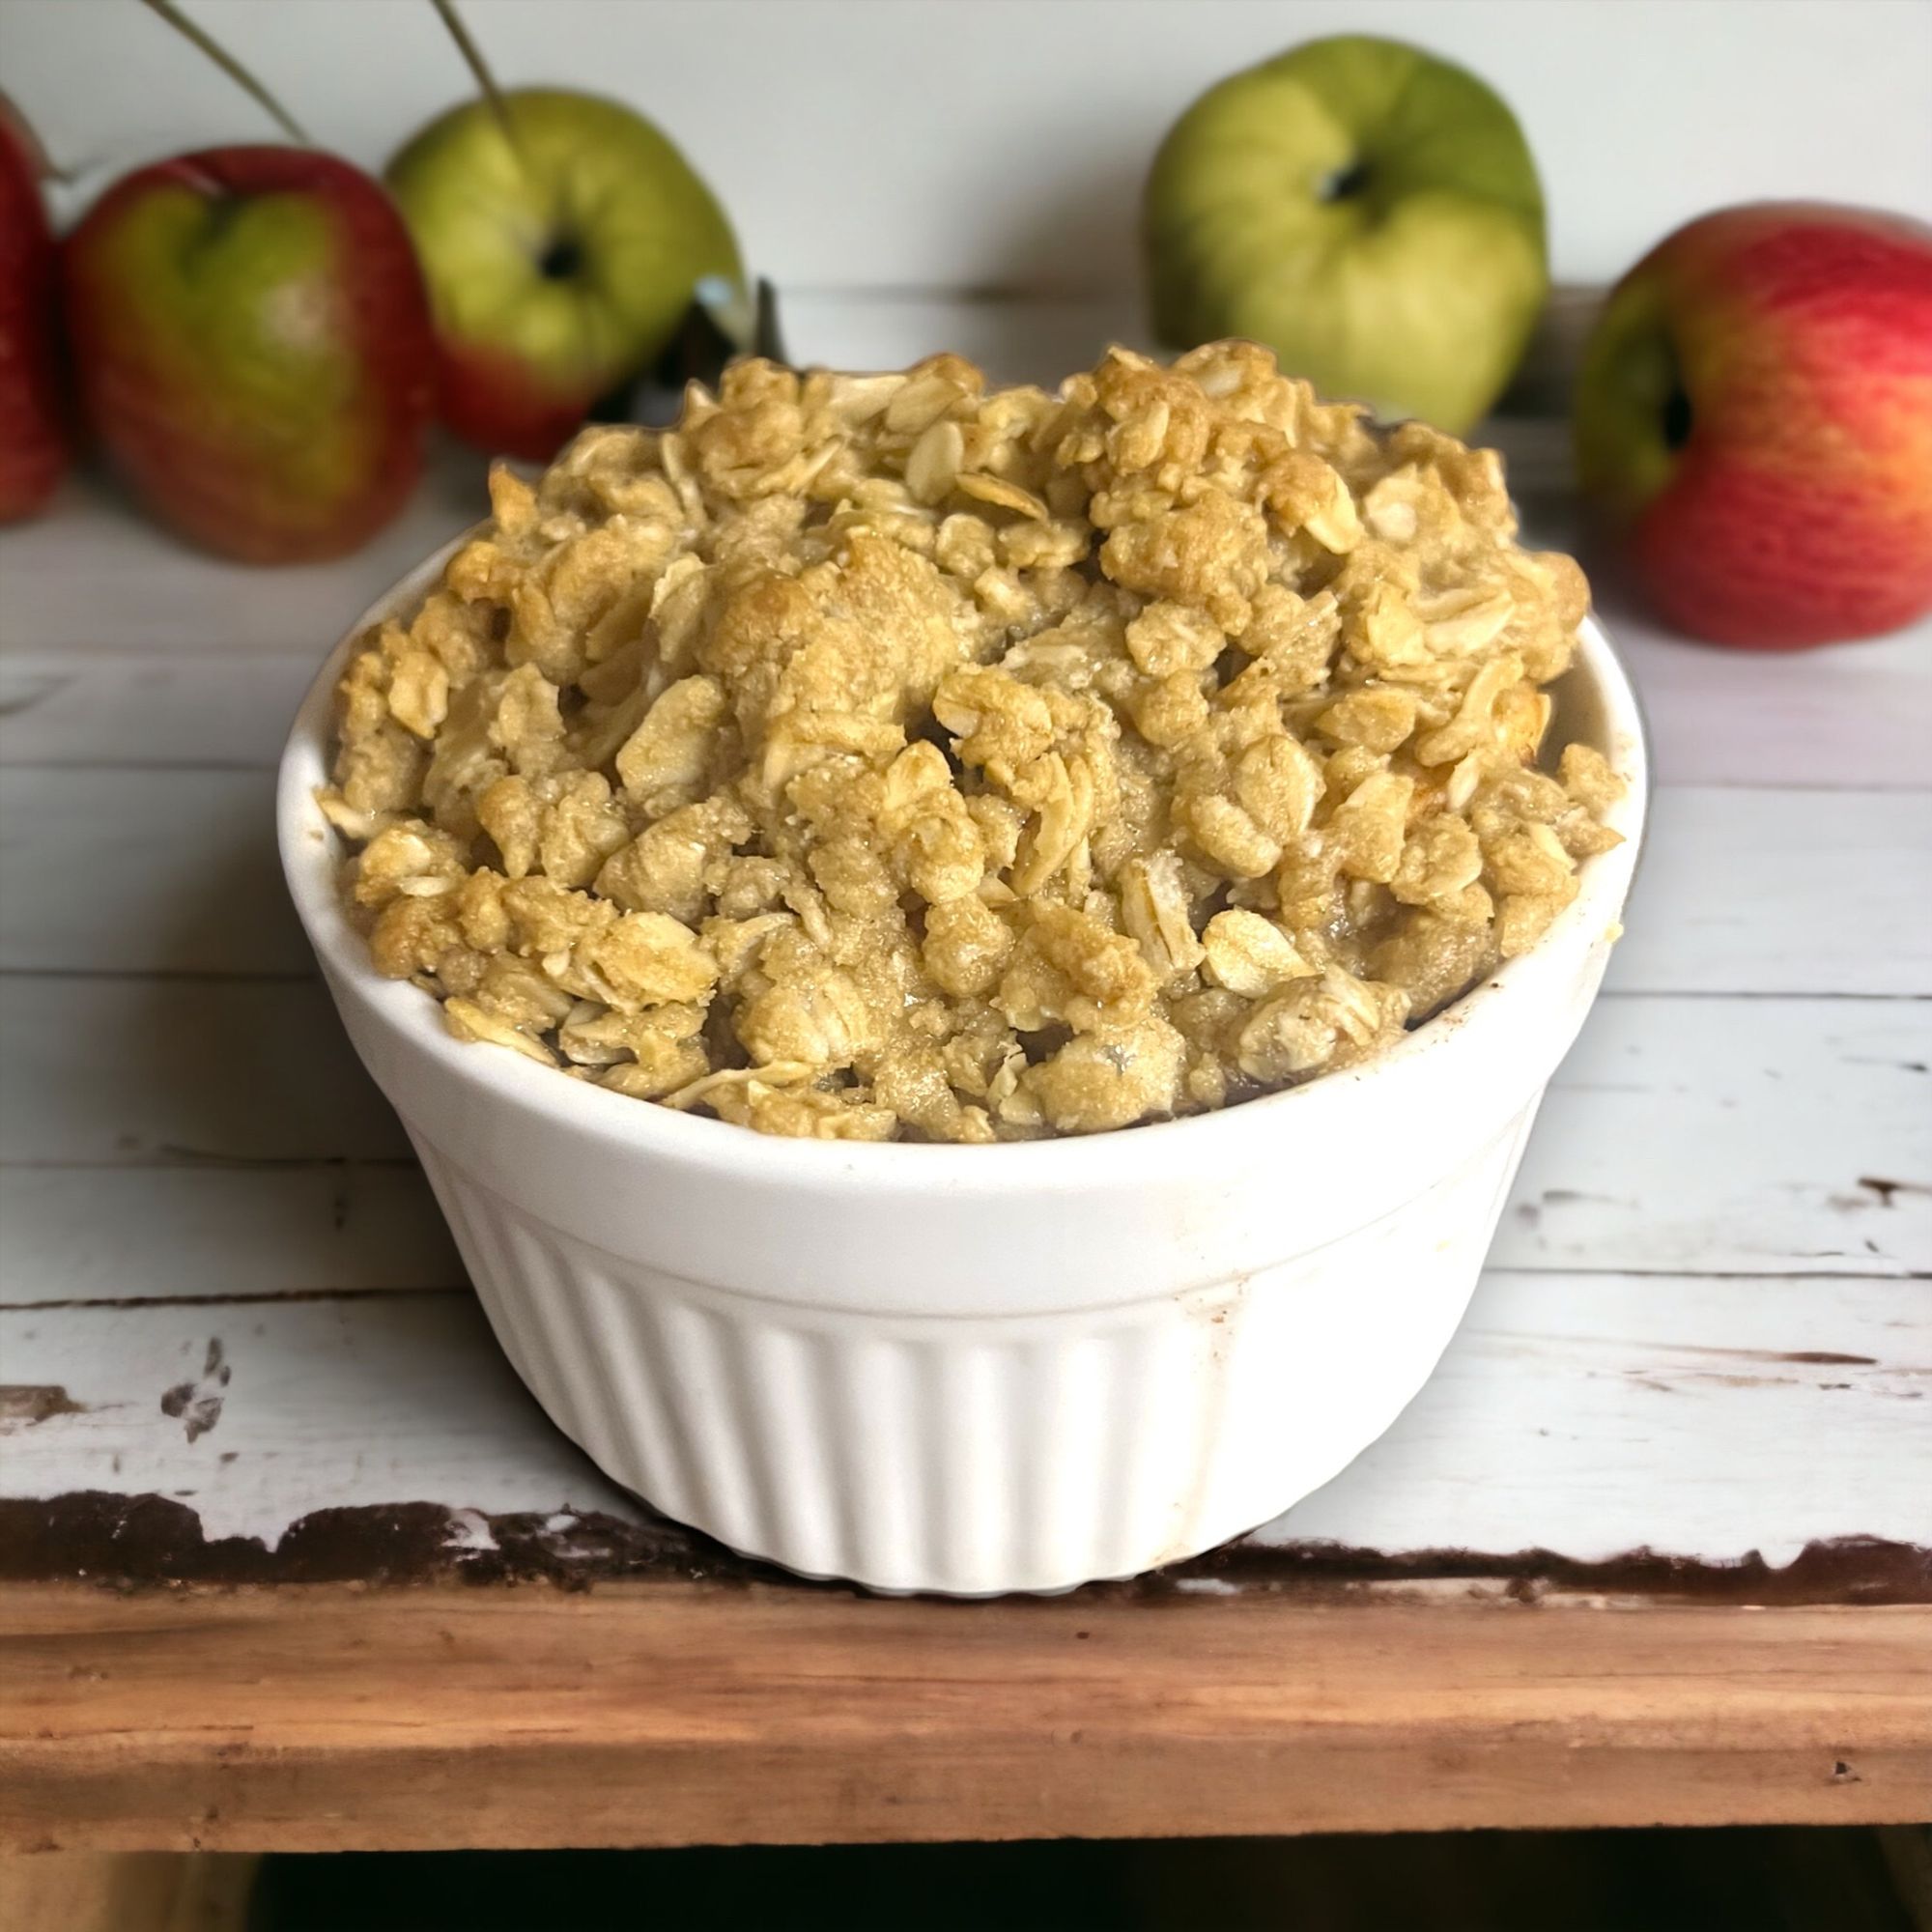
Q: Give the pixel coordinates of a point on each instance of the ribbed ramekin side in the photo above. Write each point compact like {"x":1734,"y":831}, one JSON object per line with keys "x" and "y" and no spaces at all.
{"x":972,"y":1455}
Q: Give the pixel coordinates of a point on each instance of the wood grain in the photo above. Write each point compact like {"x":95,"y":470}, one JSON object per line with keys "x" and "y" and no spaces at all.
{"x":321,"y":1718}
{"x":126,"y":1892}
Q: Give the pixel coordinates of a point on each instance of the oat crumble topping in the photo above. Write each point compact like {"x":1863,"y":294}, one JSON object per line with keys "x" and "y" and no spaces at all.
{"x":882,"y":756}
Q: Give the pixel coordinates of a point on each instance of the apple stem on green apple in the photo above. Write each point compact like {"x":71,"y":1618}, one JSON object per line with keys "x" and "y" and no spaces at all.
{"x":198,"y":37}
{"x":486,"y":81}
{"x":1345,"y":181}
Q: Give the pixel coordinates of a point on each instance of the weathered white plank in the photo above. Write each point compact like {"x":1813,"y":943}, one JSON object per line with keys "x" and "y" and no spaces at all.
{"x":1683,"y":1134}
{"x":324,"y":1404}
{"x":83,"y":1233}
{"x":1856,"y":713}
{"x":1749,"y":891}
{"x":91,"y":575}
{"x":131,"y":1072}
{"x":178,"y":708}
{"x":1584,"y":1415}
{"x":1775,"y":1136}
{"x":174,"y":870}
{"x":143,"y":870}
{"x":1595,"y":1415}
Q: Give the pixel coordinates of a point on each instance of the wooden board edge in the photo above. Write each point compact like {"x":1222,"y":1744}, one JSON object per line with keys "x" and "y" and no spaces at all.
{"x":328,"y":1717}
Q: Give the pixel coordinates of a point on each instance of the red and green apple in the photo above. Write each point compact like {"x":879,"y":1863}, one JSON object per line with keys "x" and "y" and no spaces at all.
{"x":1753,"y":417}
{"x":34,"y":446}
{"x":562,"y":237}
{"x":254,"y":346}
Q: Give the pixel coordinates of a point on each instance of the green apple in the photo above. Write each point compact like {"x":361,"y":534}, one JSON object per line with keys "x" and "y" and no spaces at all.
{"x":561,"y":236}
{"x":1372,"y":213}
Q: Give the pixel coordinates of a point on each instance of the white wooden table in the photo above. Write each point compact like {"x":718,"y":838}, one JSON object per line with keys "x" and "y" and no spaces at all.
{"x":1697,"y":1374}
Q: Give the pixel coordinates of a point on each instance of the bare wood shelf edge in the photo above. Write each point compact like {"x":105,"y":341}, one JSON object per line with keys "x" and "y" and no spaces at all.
{"x":323,"y":1716}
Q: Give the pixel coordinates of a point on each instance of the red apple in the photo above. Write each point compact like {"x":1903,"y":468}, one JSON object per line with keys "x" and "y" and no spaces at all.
{"x":32,"y":430}
{"x":1754,"y":414}
{"x":254,"y":346}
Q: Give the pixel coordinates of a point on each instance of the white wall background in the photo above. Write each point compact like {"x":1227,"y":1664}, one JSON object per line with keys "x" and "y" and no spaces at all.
{"x":1001,"y":143}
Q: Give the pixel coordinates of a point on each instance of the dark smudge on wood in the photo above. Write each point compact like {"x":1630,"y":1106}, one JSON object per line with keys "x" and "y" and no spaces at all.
{"x":29,"y":1403}
{"x":197,"y":1405}
{"x":1887,"y":1191}
{"x":129,"y":1542}
{"x":1843,"y":1570}
{"x":133,"y":1540}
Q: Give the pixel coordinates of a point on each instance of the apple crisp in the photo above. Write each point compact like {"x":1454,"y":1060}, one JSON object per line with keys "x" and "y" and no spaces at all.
{"x":886,"y":756}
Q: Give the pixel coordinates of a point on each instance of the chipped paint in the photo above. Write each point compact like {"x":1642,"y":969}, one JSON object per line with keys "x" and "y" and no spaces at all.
{"x":1887,"y":1191}
{"x":130,"y":1540}
{"x":197,"y":1405}
{"x":22,"y":1404}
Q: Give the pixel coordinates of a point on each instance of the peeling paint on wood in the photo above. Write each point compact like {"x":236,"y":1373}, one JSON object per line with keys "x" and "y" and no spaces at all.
{"x":24,"y":1404}
{"x":128,"y":1542}
{"x":1843,"y":1570}
{"x":198,"y":1404}
{"x":1887,"y":1191}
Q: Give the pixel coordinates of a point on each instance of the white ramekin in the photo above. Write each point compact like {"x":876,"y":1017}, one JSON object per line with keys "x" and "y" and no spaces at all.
{"x":977,"y":1369}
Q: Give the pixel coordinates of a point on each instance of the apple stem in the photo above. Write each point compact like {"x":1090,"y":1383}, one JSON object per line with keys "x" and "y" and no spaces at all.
{"x":472,"y":58}
{"x":231,"y":67}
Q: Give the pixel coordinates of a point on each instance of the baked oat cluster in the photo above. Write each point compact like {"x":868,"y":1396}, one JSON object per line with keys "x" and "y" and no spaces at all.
{"x":882,"y":756}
